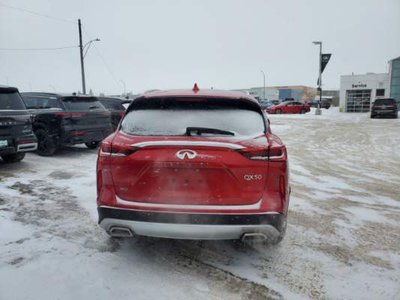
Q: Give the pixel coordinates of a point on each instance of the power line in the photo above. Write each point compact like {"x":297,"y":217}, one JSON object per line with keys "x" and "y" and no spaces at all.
{"x":102,"y":58}
{"x":36,"y":13}
{"x":37,"y":49}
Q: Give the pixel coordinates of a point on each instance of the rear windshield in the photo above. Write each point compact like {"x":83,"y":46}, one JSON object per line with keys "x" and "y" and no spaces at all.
{"x":173,"y":118}
{"x":82,"y":103}
{"x":11,"y":101}
{"x":384,"y":101}
{"x":112,"y":104}
{"x":41,"y":102}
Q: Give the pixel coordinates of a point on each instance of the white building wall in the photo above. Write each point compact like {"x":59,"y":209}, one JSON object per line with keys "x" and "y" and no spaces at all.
{"x":369,"y":81}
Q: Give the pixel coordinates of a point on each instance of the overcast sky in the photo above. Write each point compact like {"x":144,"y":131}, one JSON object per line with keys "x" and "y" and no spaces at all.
{"x":160,"y":44}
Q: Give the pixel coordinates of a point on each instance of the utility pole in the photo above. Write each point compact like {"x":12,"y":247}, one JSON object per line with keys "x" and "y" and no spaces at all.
{"x":318,"y":110}
{"x":81,"y":54}
{"x":320,"y":74}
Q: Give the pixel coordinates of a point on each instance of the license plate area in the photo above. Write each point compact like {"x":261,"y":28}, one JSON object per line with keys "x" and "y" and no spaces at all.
{"x":3,"y":143}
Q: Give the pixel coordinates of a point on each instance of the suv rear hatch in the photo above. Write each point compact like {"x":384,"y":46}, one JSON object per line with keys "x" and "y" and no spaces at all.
{"x":385,"y":104}
{"x":14,"y":119}
{"x":190,"y":151}
{"x":87,"y":117}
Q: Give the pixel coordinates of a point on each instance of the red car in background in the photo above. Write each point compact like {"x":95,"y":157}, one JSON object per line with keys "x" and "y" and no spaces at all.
{"x":193,"y":164}
{"x":289,"y":107}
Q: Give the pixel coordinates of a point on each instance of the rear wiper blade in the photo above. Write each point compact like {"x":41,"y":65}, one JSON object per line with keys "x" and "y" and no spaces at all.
{"x":93,"y":107}
{"x":200,"y":130}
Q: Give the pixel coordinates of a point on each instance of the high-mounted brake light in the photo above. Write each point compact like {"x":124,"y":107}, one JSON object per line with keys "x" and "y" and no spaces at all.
{"x":195,"y":88}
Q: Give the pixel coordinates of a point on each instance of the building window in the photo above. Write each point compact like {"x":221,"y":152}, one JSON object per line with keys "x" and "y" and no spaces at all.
{"x":380,"y":92}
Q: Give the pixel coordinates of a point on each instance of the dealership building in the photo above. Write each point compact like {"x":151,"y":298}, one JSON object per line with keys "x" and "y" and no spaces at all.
{"x":358,"y":92}
{"x":297,"y":92}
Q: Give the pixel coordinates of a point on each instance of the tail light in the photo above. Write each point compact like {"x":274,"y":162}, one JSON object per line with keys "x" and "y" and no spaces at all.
{"x":277,"y":153}
{"x":108,"y":149}
{"x":272,"y":153}
{"x":69,"y":114}
{"x":20,"y":142}
{"x":62,"y":114}
{"x":78,"y":133}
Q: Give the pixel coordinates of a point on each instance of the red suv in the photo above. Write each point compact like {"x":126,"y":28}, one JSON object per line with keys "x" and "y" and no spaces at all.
{"x":193,"y":164}
{"x":291,"y":107}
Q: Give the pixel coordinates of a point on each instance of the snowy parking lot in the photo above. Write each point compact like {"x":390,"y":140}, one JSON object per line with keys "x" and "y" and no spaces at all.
{"x":342,"y":242}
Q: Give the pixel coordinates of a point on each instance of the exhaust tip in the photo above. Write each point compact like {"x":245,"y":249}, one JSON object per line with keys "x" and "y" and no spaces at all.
{"x":253,"y":237}
{"x":117,"y":231}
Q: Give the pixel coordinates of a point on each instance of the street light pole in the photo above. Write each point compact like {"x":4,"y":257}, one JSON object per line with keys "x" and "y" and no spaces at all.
{"x":263,"y":84}
{"x":318,"y":111}
{"x":81,"y":55}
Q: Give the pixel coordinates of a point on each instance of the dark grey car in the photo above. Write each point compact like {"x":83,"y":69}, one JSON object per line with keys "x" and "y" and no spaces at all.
{"x":16,"y":135}
{"x":384,"y":107}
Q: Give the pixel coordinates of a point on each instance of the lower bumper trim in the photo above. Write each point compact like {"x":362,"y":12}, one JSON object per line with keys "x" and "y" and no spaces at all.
{"x":27,"y":147}
{"x":189,"y":231}
{"x":190,"y":226}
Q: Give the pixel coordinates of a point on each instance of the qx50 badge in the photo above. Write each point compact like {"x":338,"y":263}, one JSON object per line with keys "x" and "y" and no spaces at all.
{"x":186,"y":153}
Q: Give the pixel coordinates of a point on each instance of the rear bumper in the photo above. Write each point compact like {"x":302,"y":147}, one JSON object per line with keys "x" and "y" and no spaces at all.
{"x":19,"y":144}
{"x":191,"y":226}
{"x":85,"y":136}
{"x":384,"y":112}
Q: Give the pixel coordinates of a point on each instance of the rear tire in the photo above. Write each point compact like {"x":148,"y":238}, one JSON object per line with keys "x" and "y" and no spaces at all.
{"x":13,"y":158}
{"x":92,"y":145}
{"x":46,"y":144}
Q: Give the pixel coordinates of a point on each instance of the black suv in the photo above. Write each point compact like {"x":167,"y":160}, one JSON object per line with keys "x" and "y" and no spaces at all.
{"x":67,"y":120}
{"x":16,"y":135}
{"x":324,"y":103}
{"x":116,"y":107}
{"x":382,"y":107}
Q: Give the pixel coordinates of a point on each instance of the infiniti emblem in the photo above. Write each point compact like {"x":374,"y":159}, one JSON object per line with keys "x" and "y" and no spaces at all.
{"x":186,"y":153}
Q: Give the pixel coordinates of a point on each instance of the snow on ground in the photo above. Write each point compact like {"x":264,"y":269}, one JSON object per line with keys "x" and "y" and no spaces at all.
{"x":343,"y":238}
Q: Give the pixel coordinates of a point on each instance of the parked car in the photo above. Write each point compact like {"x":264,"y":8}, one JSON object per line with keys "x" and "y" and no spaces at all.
{"x":67,"y":120}
{"x":269,"y":103}
{"x":16,"y":135}
{"x":384,"y":107}
{"x":287,"y":99}
{"x":289,"y":107}
{"x":184,"y":164}
{"x":324,"y":103}
{"x":116,"y":107}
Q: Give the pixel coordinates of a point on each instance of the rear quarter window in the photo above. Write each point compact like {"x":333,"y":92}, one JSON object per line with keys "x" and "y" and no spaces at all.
{"x":42,"y":102}
{"x":11,"y":101}
{"x":112,"y":104}
{"x":82,"y":103}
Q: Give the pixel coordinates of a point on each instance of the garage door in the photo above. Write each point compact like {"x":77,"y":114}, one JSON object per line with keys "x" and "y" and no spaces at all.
{"x":358,"y":100}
